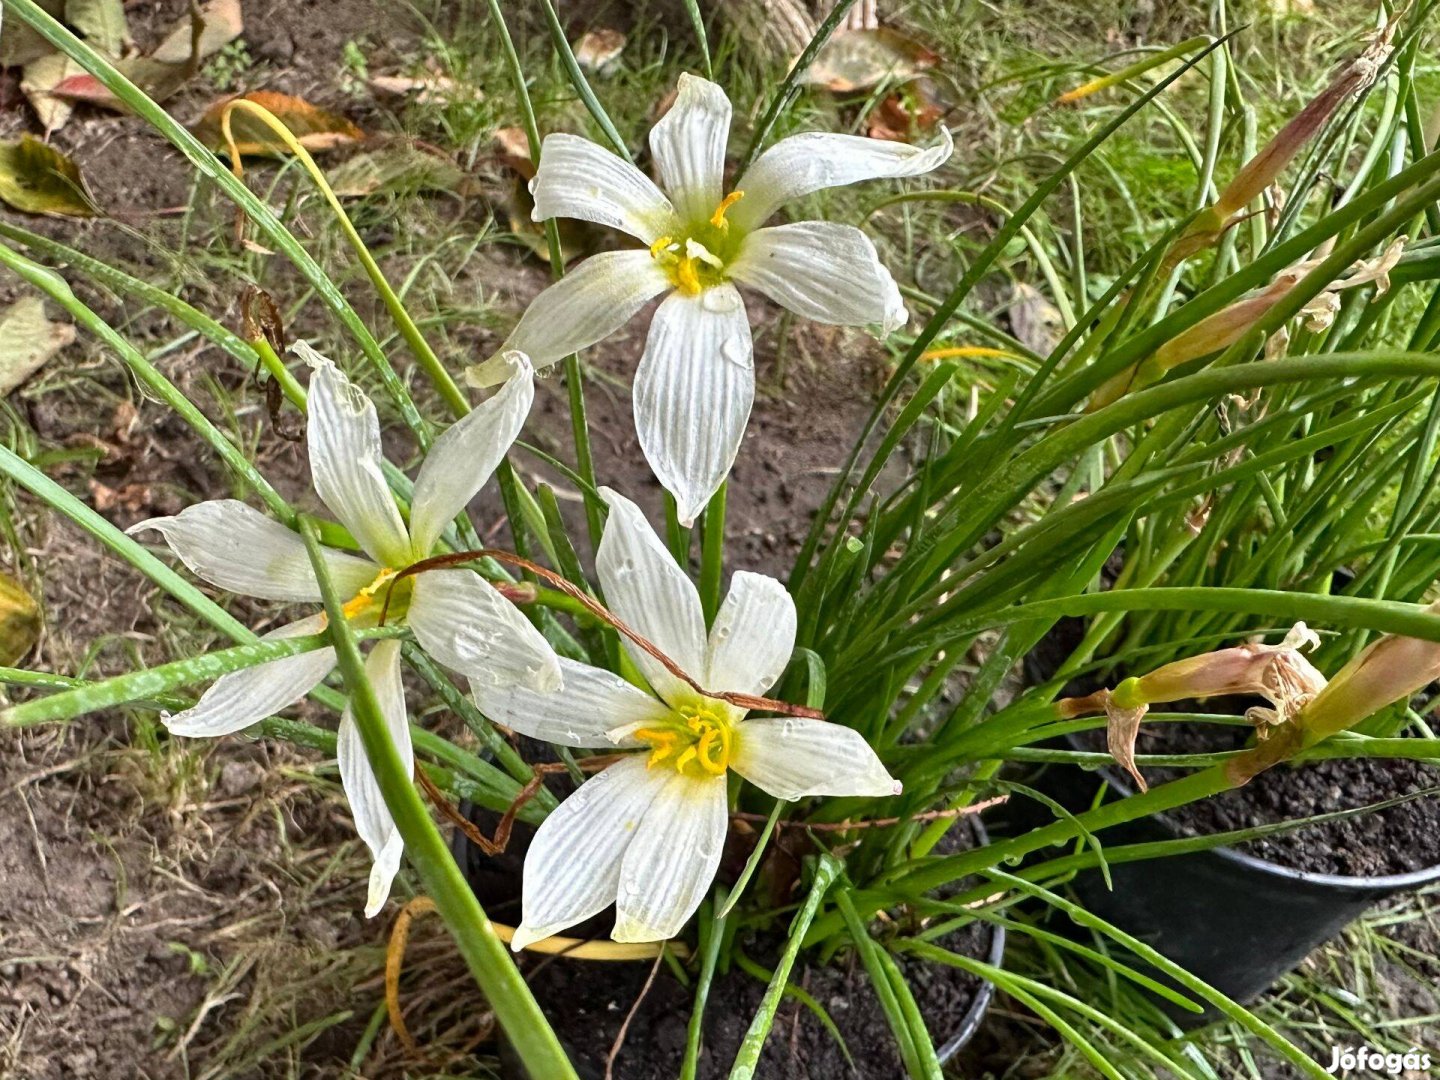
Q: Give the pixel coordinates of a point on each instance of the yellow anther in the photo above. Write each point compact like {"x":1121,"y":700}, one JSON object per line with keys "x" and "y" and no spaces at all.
{"x":686,"y":277}
{"x":365,"y":598}
{"x":718,"y":218}
{"x":697,"y":745}
{"x":658,"y":247}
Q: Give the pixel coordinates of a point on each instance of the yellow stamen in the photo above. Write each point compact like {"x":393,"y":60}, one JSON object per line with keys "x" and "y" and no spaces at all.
{"x":695,"y":744}
{"x":659,"y":246}
{"x":718,"y":218}
{"x":365,"y":598}
{"x":686,"y":277}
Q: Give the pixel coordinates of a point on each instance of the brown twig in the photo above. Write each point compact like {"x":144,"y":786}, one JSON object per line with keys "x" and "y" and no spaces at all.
{"x":459,"y":558}
{"x":875,"y":823}
{"x":625,"y":1027}
{"x":472,"y":831}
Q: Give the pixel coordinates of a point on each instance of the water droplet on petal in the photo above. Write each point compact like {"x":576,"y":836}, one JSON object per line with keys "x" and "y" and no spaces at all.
{"x":720,"y":301}
{"x":734,"y":350}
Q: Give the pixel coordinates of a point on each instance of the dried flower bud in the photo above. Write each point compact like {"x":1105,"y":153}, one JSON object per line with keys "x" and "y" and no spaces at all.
{"x":1262,"y":170}
{"x":518,"y":592}
{"x":1389,"y":670}
{"x":1279,"y":673}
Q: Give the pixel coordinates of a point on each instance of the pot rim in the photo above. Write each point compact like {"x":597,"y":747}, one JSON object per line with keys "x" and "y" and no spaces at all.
{"x":1380,"y":883}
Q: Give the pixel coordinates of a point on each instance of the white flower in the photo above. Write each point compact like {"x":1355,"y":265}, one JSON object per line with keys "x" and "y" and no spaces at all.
{"x":696,"y":380}
{"x":455,"y":615}
{"x":646,"y":833}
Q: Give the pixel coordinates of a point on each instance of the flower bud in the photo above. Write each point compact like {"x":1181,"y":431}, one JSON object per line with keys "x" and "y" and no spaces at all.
{"x":518,"y":592}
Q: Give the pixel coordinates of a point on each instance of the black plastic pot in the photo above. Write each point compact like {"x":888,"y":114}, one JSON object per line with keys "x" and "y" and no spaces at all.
{"x":1235,"y":921}
{"x":475,"y":865}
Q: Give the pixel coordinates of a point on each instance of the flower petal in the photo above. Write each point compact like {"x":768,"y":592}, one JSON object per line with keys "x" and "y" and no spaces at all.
{"x":464,"y":457}
{"x":237,"y":548}
{"x":651,"y":594}
{"x":670,"y":863}
{"x":688,"y":145}
{"x":345,"y":458}
{"x":461,"y":620}
{"x":572,"y":869}
{"x":246,"y":697}
{"x":591,"y":302}
{"x":372,"y":817}
{"x":693,"y":392}
{"x":816,"y":159}
{"x":753,"y":635}
{"x":790,"y":758}
{"x":582,"y":712}
{"x":824,"y":271}
{"x":578,"y":179}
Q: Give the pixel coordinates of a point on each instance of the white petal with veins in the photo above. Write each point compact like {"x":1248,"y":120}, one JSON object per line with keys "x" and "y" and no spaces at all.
{"x":237,"y":548}
{"x":582,"y":712}
{"x":648,"y":592}
{"x":790,"y":758}
{"x":572,"y":869}
{"x":242,"y":698}
{"x":461,"y":620}
{"x":693,"y":392}
{"x":345,"y":462}
{"x":589,"y":303}
{"x":688,"y":145}
{"x":464,"y":457}
{"x":578,"y":179}
{"x":824,"y":271}
{"x":814,"y":160}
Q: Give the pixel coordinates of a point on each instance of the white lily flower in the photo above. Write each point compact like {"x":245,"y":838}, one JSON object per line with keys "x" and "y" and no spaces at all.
{"x":696,"y":381}
{"x":646,"y":833}
{"x":456,"y":616}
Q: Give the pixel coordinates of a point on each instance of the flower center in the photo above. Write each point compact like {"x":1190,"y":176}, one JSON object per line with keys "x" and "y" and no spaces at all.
{"x":367,"y":601}
{"x":695,"y":260}
{"x":695,"y":743}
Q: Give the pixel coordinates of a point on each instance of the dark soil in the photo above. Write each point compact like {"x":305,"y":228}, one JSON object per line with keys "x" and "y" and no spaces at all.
{"x":1395,"y":840}
{"x":588,"y":1011}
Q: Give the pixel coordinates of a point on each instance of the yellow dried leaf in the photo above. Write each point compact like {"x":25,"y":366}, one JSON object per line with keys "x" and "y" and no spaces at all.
{"x":38,"y":179}
{"x":315,"y":128}
{"x":27,"y":341}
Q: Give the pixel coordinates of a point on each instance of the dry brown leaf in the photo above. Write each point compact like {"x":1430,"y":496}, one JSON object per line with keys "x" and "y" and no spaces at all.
{"x":427,"y":89}
{"x":38,"y":179}
{"x":38,"y":83}
{"x":101,"y":23}
{"x":859,"y":59}
{"x":598,"y":51}
{"x":220,"y":24}
{"x":314,"y":128}
{"x":1035,"y":321}
{"x":907,"y":116}
{"x":27,"y":341}
{"x":19,"y":44}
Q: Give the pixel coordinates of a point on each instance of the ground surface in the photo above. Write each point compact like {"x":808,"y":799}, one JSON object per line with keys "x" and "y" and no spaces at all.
{"x":182,"y":910}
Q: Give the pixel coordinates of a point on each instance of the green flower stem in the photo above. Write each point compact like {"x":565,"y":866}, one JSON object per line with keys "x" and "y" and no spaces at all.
{"x":712,"y":929}
{"x":827,"y":869}
{"x":276,"y":234}
{"x":579,"y":82}
{"x":55,"y":287}
{"x":485,"y":954}
{"x":712,"y":553}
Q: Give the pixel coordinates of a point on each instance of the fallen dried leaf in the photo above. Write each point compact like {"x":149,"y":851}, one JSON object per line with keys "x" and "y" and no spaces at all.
{"x":101,"y":23}
{"x":598,"y":51}
{"x":859,"y":59}
{"x":38,"y":83}
{"x":19,"y":620}
{"x":27,"y":341}
{"x":220,"y":24}
{"x":38,"y":179}
{"x":315,"y":128}
{"x":907,"y":116}
{"x":19,"y":44}
{"x":428,"y":90}
{"x":1035,"y":321}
